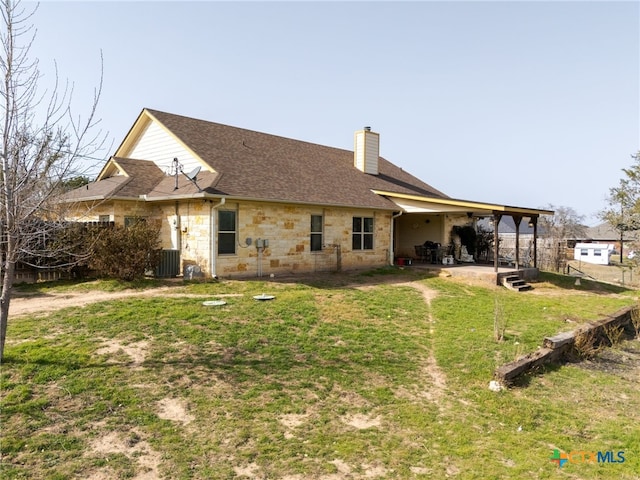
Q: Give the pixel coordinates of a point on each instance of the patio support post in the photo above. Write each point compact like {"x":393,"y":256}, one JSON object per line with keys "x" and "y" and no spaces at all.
{"x":496,"y":221}
{"x":534,"y":221}
{"x":516,"y":220}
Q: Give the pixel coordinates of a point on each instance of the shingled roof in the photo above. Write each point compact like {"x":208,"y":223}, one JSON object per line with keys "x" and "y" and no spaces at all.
{"x":133,"y":179}
{"x":251,"y":165}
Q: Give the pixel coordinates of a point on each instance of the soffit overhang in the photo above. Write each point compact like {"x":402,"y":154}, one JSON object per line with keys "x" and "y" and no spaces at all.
{"x":421,"y":204}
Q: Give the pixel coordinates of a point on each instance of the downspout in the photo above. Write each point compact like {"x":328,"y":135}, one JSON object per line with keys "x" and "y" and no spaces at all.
{"x":212,"y":235}
{"x":391,"y":250}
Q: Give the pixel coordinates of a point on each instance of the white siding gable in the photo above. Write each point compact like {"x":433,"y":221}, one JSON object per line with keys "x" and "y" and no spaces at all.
{"x":157,"y":145}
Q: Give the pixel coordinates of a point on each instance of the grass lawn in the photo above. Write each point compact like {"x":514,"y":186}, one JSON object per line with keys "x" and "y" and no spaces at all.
{"x":377,"y":375}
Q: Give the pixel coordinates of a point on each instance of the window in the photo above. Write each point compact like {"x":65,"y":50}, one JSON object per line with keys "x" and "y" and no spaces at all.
{"x":316,"y":233}
{"x":362,"y":233}
{"x":129,"y":221}
{"x":584,"y":252}
{"x":597,"y":253}
{"x":226,"y":232}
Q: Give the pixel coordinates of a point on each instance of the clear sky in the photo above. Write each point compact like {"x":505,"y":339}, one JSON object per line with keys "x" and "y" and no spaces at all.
{"x":510,"y":102}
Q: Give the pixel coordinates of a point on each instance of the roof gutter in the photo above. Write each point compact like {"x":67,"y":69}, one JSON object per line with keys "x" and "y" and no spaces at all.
{"x":466,"y":204}
{"x":84,"y":199}
{"x":186,"y":196}
{"x":210,"y":196}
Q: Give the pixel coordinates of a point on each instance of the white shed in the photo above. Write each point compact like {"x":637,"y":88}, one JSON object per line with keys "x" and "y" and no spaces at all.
{"x":597,"y":253}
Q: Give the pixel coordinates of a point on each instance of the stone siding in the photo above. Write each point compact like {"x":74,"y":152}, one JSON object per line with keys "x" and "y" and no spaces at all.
{"x":287,"y":229}
{"x":188,"y":227}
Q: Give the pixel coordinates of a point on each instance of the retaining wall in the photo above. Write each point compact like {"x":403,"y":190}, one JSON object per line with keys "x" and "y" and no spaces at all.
{"x":558,"y":348}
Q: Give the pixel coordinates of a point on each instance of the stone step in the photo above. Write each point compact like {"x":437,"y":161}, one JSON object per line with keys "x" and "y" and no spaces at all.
{"x":514,"y":282}
{"x":523,"y":288}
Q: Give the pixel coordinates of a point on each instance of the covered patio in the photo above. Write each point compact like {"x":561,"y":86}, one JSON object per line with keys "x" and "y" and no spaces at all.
{"x":430,"y":220}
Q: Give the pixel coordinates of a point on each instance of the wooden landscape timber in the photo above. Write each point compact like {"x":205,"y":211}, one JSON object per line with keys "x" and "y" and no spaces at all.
{"x":561,"y":347}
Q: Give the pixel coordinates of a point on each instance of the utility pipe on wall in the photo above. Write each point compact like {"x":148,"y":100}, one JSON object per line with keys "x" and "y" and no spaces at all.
{"x":176,"y":235}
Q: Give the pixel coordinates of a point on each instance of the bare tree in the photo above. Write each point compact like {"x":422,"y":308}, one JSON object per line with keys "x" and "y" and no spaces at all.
{"x":566,"y":224}
{"x":43,"y":143}
{"x":623,"y":212}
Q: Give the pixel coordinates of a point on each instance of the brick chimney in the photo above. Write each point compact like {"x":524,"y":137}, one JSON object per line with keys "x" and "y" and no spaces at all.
{"x":366,"y":151}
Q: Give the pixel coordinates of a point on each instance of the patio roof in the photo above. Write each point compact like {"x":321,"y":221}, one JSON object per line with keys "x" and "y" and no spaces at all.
{"x":421,"y":204}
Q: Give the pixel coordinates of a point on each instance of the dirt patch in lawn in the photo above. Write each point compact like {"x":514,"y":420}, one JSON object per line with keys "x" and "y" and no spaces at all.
{"x":130,"y":445}
{"x":361,"y":421}
{"x":30,"y":304}
{"x":437,"y":378}
{"x":174,"y":409}
{"x":136,"y":352}
{"x":51,"y":302}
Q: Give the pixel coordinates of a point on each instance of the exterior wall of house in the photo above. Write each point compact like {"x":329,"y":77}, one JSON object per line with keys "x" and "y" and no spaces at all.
{"x":187,"y":226}
{"x":287,"y":229}
{"x":451,"y":220}
{"x":116,"y":210}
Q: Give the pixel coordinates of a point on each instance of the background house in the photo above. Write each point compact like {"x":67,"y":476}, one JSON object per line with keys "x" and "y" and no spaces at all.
{"x":605,"y":233}
{"x":236,"y":202}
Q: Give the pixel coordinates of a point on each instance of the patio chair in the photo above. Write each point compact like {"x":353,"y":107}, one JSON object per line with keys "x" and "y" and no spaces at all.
{"x":421,"y":253}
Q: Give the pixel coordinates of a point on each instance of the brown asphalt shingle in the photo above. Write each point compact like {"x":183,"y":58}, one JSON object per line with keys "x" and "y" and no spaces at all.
{"x":250,"y":164}
{"x":269,"y":167}
{"x":143,"y":176}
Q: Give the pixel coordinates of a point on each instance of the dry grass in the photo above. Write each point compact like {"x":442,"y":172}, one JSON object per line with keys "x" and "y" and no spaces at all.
{"x":613,"y":273}
{"x":587,"y":344}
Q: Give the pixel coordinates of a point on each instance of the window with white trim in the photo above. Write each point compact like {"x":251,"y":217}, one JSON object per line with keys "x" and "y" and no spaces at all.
{"x":227,"y":232}
{"x":316,"y":233}
{"x":129,"y":221}
{"x":362,"y":236}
